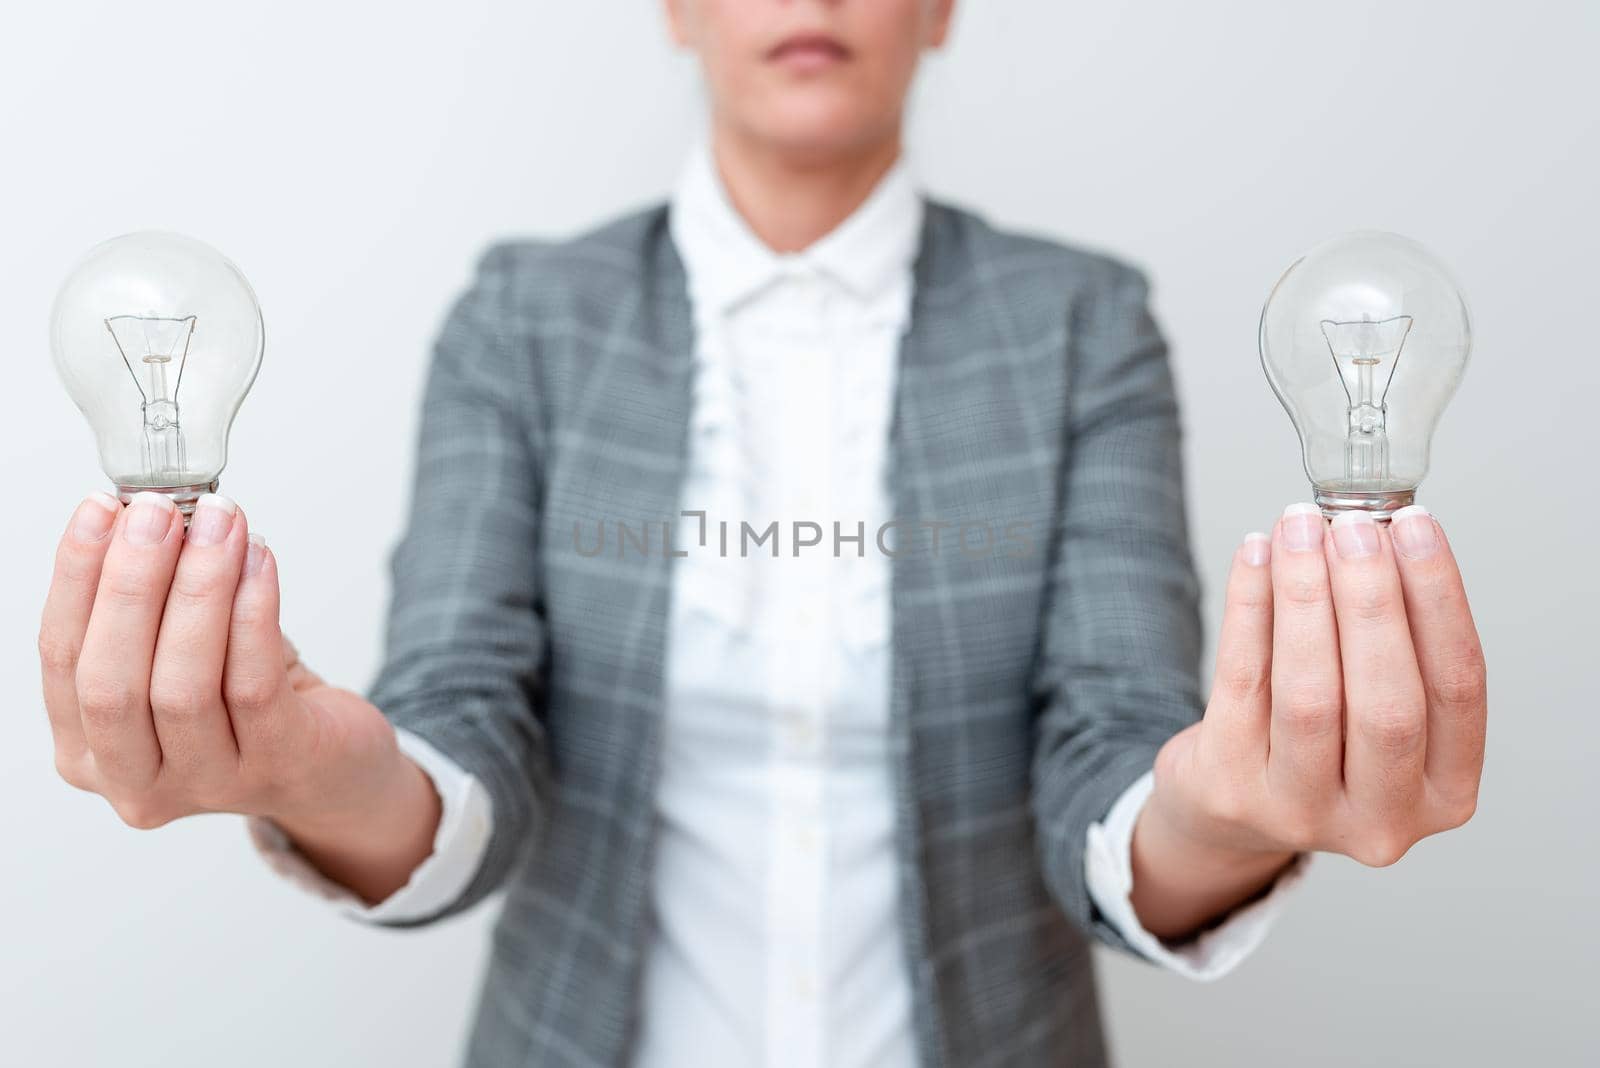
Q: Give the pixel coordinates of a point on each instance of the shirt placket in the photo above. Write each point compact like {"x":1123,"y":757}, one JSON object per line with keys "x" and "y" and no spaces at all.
{"x":797,"y":871}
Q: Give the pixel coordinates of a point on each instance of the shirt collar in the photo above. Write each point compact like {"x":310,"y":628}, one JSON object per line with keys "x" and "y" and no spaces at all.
{"x":727,"y":262}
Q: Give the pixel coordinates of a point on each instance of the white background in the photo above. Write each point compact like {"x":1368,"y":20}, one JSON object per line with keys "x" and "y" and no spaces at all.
{"x":353,"y":158}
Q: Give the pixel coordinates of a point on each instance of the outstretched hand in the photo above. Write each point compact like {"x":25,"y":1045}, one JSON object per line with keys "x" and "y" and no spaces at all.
{"x":1347,"y":713}
{"x":172,"y":691}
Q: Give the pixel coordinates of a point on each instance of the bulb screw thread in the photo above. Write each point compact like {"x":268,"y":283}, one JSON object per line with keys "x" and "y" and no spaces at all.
{"x":1382,"y":504}
{"x":182,"y":496}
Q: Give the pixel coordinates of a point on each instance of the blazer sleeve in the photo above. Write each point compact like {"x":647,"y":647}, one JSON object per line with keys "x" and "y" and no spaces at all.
{"x":1118,"y":671}
{"x":466,"y":642}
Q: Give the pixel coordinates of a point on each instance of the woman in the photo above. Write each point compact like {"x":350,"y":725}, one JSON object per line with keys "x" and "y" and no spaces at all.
{"x":796,"y":620}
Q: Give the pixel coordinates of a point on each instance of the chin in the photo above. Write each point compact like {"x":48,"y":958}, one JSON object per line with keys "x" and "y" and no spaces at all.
{"x":820,"y":124}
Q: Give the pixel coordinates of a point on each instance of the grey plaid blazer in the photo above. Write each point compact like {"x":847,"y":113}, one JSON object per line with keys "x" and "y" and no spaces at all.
{"x":1029,"y":689}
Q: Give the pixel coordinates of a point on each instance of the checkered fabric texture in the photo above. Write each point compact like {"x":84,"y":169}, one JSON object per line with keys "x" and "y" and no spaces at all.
{"x":1031,"y":685}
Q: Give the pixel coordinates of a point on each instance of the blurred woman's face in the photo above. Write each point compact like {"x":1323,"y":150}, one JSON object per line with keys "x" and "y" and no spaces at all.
{"x":815,"y":78}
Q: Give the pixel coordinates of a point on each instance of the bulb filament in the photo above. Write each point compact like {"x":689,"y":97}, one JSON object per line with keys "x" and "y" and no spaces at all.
{"x":1366,"y":352}
{"x":157,"y":343}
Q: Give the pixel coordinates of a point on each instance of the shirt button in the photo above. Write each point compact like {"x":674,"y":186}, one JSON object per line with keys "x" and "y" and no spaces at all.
{"x":803,"y":732}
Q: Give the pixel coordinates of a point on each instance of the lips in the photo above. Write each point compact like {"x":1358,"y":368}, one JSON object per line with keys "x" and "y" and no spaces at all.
{"x":808,"y":51}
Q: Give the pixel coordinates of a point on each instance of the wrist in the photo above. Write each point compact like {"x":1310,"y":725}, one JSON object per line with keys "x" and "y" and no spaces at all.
{"x":339,"y":803}
{"x":1187,"y":875}
{"x":374,"y":839}
{"x":1177,"y":829}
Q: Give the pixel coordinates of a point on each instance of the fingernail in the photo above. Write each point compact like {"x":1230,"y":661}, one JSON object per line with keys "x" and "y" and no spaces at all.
{"x":212,"y":519}
{"x":1415,"y":534}
{"x":1355,"y":534}
{"x":1302,"y":527}
{"x":255,"y":555}
{"x":149,"y":518}
{"x":93,"y":519}
{"x":1257,"y":549}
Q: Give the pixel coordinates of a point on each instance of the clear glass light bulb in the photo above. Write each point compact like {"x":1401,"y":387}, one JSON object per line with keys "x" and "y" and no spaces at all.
{"x":1364,"y":339}
{"x":158,"y":337}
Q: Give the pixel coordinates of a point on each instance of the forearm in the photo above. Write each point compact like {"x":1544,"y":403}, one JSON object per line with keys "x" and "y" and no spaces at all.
{"x":1181,"y":885}
{"x":373,"y":848}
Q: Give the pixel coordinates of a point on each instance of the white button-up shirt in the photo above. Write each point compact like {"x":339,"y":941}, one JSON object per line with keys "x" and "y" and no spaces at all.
{"x":776,"y":937}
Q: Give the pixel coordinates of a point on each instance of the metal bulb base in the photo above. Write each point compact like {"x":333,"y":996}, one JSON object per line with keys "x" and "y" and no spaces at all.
{"x":182,"y":496}
{"x":1382,"y":504}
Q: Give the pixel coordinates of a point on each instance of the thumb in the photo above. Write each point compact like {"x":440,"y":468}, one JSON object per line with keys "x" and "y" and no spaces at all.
{"x":301,"y":677}
{"x":254,"y":673}
{"x":1239,"y":714}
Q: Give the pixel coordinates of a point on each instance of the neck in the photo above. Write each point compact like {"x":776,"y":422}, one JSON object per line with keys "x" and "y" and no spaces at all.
{"x":791,"y":202}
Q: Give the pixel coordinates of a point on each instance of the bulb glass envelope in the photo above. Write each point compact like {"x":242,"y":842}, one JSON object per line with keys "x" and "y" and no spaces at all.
{"x":1365,"y":339}
{"x":157,"y":338}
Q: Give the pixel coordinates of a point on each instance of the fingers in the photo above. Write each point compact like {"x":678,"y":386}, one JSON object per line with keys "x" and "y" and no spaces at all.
{"x":1351,"y":647}
{"x":1305,"y":756}
{"x":113,"y":675}
{"x":191,"y":722}
{"x":1385,"y":710}
{"x":119,"y":645}
{"x":1239,"y":715}
{"x":1449,"y":656}
{"x":67,"y":608}
{"x":254,"y":679}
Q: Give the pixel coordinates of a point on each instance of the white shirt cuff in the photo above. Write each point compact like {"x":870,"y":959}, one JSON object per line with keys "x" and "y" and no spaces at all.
{"x":465,"y":821}
{"x":1108,"y":866}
